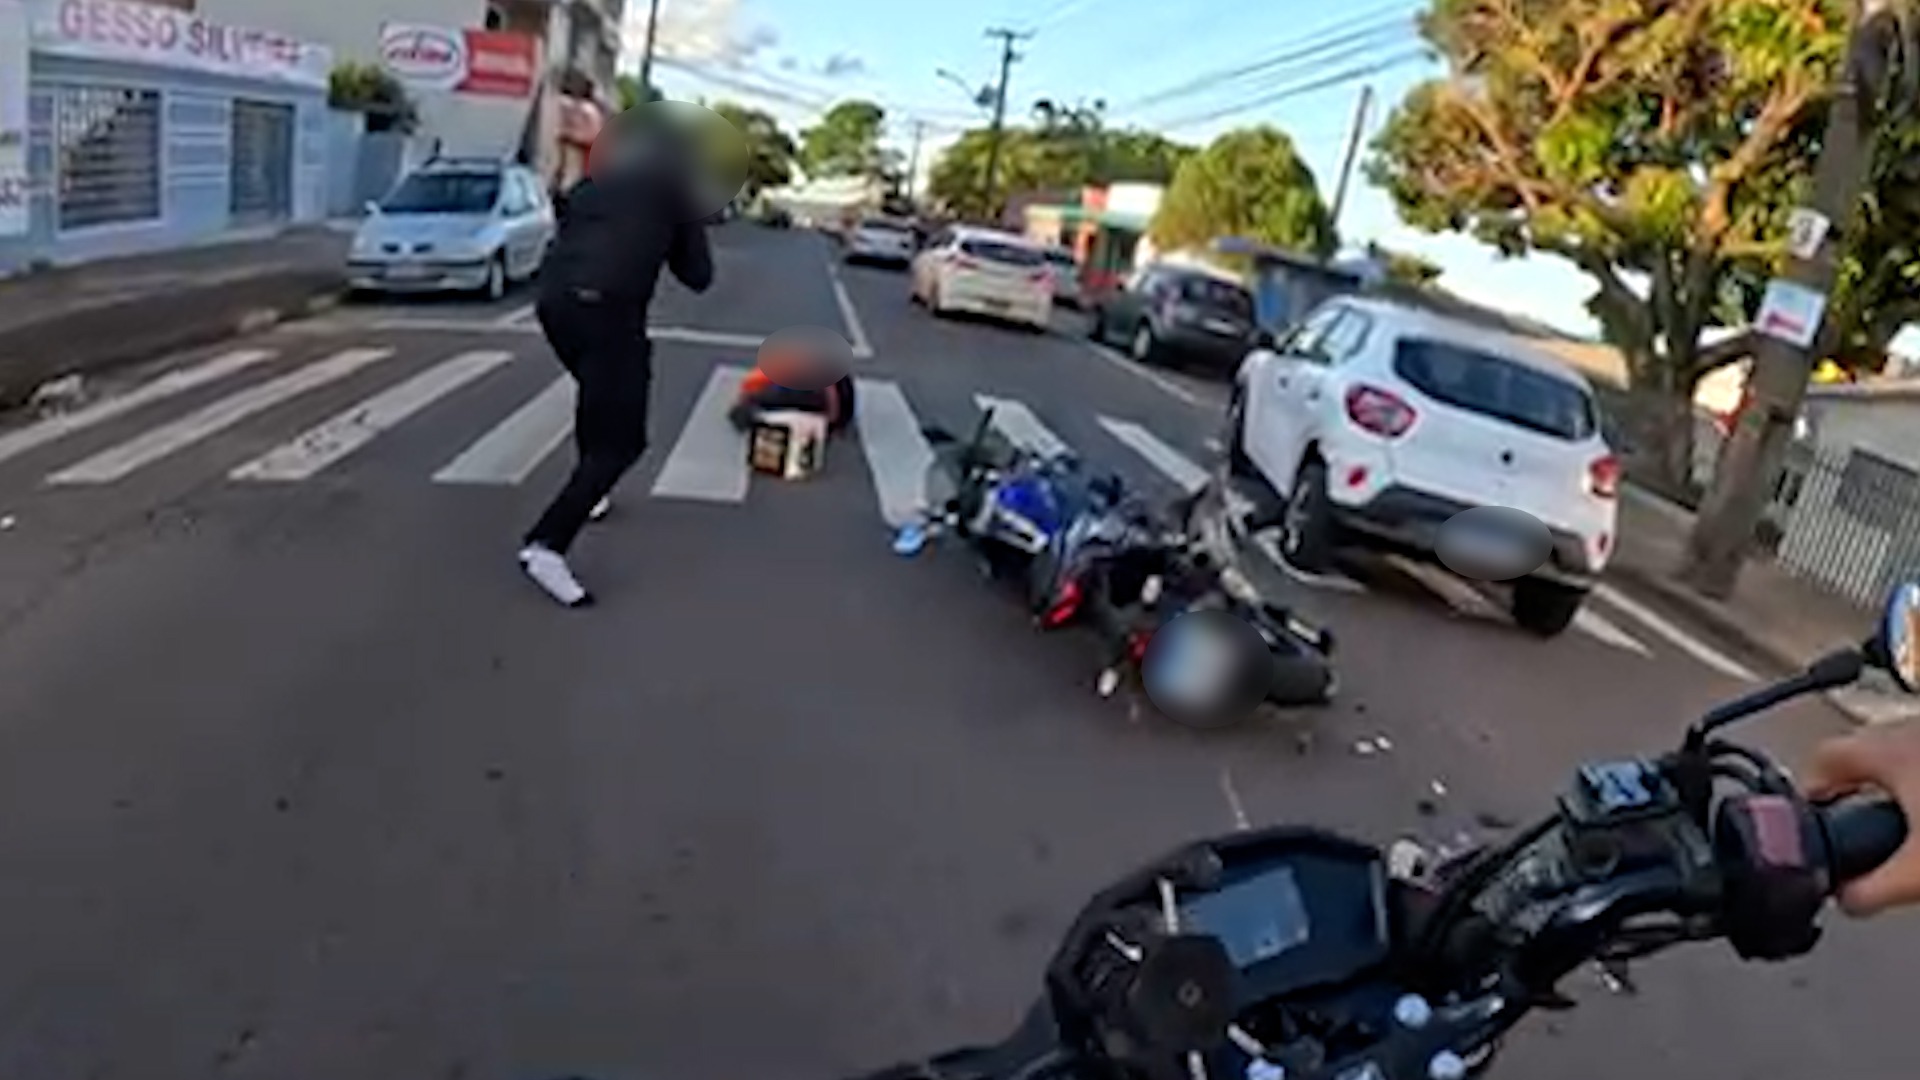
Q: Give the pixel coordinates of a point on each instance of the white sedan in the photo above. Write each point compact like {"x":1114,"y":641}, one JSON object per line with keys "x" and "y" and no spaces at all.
{"x":454,"y":224}
{"x":985,"y":272}
{"x":880,"y":240}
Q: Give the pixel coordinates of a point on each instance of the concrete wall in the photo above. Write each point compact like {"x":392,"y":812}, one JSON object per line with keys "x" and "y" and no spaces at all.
{"x":466,"y":125}
{"x":195,"y":136}
{"x":1888,"y":424}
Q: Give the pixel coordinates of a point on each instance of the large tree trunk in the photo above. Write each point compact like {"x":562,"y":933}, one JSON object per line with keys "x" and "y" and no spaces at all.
{"x":1662,"y":427}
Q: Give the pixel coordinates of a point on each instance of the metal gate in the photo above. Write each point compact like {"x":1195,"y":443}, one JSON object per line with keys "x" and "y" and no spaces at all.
{"x":262,"y":162}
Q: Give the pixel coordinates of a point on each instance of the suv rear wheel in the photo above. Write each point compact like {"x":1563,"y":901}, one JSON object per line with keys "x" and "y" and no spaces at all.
{"x":1238,"y":462}
{"x":1145,"y":349}
{"x":1545,"y":607}
{"x":1306,"y":525}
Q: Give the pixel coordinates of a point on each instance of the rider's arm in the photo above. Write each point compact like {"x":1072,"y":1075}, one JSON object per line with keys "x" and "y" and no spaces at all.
{"x":1888,"y":759}
{"x":691,"y":257}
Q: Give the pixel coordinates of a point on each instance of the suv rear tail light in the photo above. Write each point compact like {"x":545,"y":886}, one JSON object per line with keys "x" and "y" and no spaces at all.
{"x":1382,"y":413}
{"x":1603,"y":477}
{"x":1041,"y":276}
{"x":966,"y":262}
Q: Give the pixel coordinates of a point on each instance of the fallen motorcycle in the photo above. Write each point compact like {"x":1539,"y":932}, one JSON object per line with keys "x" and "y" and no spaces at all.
{"x":1117,"y":568}
{"x":1007,"y":502}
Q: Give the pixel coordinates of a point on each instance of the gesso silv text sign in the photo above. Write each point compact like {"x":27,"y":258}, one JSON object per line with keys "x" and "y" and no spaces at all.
{"x":13,"y":118}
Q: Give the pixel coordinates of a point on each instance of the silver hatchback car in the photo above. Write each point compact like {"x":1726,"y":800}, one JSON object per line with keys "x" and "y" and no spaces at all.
{"x":452,"y":224}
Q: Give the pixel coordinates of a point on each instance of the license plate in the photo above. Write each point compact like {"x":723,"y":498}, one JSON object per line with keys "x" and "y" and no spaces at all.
{"x":995,"y":303}
{"x":1221,"y":326}
{"x":406,"y":272}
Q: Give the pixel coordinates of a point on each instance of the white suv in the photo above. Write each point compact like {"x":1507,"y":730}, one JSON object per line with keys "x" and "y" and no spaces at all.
{"x":1375,"y":423}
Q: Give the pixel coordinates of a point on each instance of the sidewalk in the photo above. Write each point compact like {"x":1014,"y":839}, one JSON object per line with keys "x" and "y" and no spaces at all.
{"x":87,"y":318}
{"x":1772,"y":614}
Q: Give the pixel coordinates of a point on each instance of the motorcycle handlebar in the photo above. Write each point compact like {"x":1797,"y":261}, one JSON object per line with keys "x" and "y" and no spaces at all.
{"x":1861,"y":835}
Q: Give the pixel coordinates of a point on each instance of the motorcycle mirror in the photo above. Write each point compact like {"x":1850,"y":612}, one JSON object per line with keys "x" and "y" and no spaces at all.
{"x":1898,"y":644}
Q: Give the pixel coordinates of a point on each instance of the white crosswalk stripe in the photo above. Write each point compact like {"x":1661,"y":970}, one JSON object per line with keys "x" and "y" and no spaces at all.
{"x":115,"y":463}
{"x":517,"y":445}
{"x":708,"y":462}
{"x":349,"y":431}
{"x":898,"y":455}
{"x":15,"y":443}
{"x":1018,"y":424}
{"x":1174,"y":465}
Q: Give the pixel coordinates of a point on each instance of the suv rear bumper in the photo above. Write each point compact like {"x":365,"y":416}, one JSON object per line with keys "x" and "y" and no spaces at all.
{"x":1408,"y":521}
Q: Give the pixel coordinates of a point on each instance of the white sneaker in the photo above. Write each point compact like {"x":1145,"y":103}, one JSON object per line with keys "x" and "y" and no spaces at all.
{"x":601,"y":508}
{"x":549,"y":570}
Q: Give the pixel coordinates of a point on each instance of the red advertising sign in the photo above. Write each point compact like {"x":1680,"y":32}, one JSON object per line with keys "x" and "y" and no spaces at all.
{"x":500,"y":63}
{"x":491,"y":63}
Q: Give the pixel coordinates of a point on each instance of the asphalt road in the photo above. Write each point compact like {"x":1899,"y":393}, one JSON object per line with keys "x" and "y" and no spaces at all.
{"x":302,"y":780}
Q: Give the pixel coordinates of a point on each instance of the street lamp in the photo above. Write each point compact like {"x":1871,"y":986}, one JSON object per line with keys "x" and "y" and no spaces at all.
{"x":981,"y":98}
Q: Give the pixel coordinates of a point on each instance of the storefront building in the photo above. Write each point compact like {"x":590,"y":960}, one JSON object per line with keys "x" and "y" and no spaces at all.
{"x":148,"y":128}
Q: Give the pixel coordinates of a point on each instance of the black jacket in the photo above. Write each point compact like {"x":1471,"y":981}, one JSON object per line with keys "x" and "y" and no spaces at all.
{"x":616,"y":232}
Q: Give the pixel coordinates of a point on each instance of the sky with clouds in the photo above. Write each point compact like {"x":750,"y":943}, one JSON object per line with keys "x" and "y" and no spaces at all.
{"x":1191,"y":69}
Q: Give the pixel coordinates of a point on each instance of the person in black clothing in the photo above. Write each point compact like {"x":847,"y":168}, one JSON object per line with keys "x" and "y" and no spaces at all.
{"x":633,"y":214}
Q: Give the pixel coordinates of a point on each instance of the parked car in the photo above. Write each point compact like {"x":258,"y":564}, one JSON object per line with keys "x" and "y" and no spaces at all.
{"x":881,"y":240}
{"x":776,"y":217}
{"x":1166,"y":312}
{"x":1066,"y":277}
{"x":454,"y":224}
{"x":984,"y":272}
{"x":1374,"y":424}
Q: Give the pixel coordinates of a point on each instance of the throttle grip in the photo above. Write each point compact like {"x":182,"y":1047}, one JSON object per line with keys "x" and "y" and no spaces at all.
{"x":1861,"y":834}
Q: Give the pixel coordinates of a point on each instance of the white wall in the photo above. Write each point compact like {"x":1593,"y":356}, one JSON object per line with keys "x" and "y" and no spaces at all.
{"x":1887,"y":425}
{"x":465,"y":124}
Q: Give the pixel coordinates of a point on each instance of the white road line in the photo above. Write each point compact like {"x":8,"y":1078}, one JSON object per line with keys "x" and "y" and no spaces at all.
{"x":1686,"y":642}
{"x":322,"y":446}
{"x":516,"y":446}
{"x":1227,"y":788}
{"x":898,"y":455}
{"x":110,"y":465}
{"x":1154,"y":377}
{"x":1455,"y":592}
{"x":1018,"y":423}
{"x":15,"y":443}
{"x":683,"y":334}
{"x":1598,"y":626}
{"x":522,"y":314}
{"x":856,"y":333}
{"x":1172,"y":464}
{"x":709,"y":460}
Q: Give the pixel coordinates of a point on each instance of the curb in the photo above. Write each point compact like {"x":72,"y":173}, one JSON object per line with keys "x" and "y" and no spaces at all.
{"x":1860,"y":703}
{"x":106,"y":337}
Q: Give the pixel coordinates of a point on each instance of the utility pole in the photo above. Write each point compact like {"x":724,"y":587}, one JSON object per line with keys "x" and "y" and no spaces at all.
{"x":1750,"y":466}
{"x":646,"y":52}
{"x":913,"y":160}
{"x":1360,"y":111}
{"x":1007,"y":57}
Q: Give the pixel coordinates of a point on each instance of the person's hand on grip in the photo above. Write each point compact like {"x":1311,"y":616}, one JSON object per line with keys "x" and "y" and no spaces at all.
{"x":1887,"y":759}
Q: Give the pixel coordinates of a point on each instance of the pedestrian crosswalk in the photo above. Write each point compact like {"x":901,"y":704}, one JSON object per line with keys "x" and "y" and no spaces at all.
{"x":702,"y":456}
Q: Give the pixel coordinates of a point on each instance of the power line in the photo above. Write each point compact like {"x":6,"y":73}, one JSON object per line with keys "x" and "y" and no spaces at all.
{"x":1339,"y":78}
{"x":1360,"y":29}
{"x":1332,"y":59}
{"x":1058,"y":12}
{"x":734,"y":82}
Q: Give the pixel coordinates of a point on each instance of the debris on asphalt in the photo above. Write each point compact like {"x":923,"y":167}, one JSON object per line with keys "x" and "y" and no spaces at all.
{"x":1427,"y":807}
{"x":59,"y":395}
{"x":8,"y":521}
{"x":1439,"y":789}
{"x":1487,"y":819}
{"x":1379,"y":744}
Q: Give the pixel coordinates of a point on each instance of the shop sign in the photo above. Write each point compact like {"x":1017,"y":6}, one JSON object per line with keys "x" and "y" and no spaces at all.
{"x":488,"y":63}
{"x":128,"y":31}
{"x":13,"y":119}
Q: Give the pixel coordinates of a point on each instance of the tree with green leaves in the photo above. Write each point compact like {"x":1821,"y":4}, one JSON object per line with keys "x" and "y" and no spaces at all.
{"x":372,"y":90}
{"x":1067,"y":148}
{"x":1655,"y":144}
{"x":846,"y":141}
{"x":770,"y":151}
{"x":1405,"y":267}
{"x":1248,"y":183}
{"x":629,"y":92}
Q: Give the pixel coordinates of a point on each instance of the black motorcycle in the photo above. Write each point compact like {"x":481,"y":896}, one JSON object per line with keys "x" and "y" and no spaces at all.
{"x":1117,"y":567}
{"x":1296,"y":954}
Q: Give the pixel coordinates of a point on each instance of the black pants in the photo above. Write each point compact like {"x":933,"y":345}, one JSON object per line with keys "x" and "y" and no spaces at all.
{"x":605,"y":349}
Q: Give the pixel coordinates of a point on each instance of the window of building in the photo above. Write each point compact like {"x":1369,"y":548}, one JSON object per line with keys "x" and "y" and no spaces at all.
{"x":261,"y":173}
{"x":108,"y":145}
